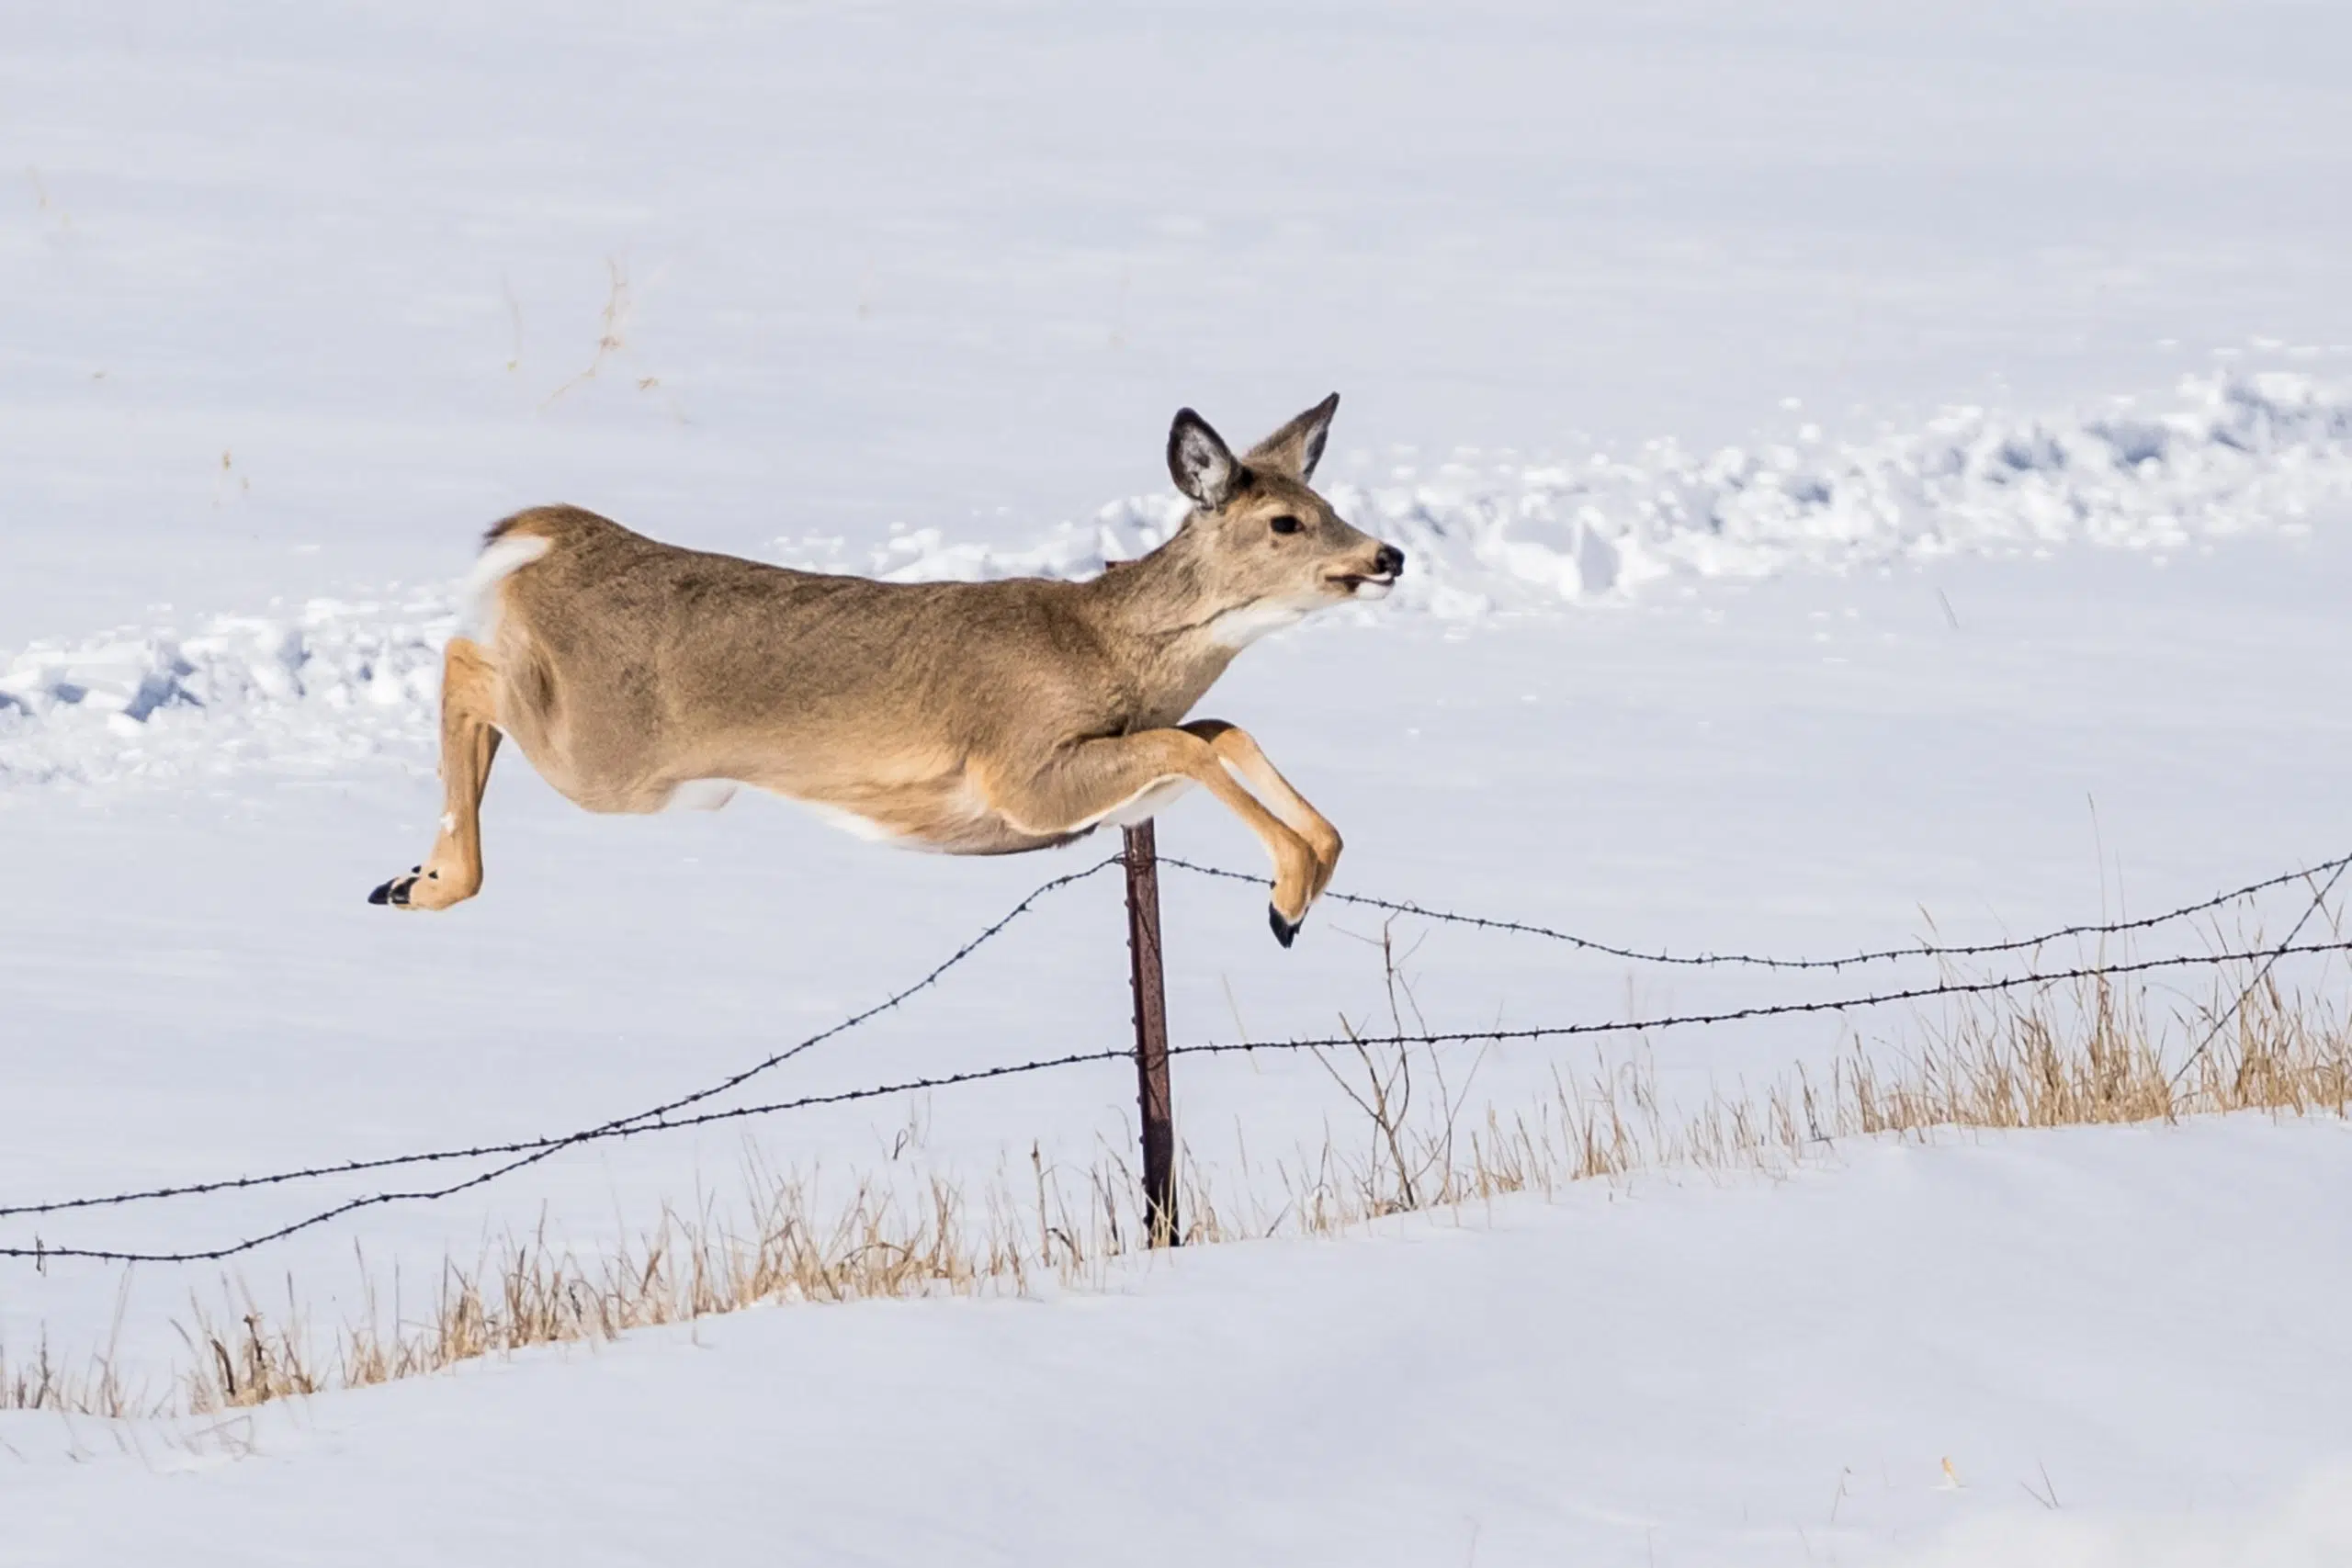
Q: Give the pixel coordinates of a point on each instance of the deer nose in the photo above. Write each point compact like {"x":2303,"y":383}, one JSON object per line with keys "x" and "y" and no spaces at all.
{"x":1387,"y":561}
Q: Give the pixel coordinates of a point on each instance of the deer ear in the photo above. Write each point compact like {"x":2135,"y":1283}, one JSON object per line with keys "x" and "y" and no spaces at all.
{"x":1297,"y":446}
{"x":1200,"y":462}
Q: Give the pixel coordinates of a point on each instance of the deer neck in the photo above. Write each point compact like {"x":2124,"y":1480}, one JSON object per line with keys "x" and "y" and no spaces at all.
{"x":1169,"y":625}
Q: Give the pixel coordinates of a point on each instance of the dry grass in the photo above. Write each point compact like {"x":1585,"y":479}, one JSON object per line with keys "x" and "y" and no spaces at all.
{"x":2070,"y":1057}
{"x":612,"y":336}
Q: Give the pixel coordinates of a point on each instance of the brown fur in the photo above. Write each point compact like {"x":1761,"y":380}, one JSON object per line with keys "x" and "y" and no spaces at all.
{"x":970,"y":717}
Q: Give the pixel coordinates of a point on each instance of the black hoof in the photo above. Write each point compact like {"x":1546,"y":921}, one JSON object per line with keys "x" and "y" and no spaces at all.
{"x":1285,"y":931}
{"x":395,"y":892}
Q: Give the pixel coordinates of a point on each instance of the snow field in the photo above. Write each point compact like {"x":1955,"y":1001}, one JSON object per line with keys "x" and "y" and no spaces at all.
{"x":293,"y":302}
{"x":1891,"y":1346}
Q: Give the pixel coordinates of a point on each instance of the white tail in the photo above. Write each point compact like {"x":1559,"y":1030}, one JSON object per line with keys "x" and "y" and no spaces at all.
{"x":478,"y":590}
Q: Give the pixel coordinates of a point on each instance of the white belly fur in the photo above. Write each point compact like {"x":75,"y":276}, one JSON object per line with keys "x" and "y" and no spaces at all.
{"x":700,"y":795}
{"x":1139,"y":806}
{"x":859,"y":826}
{"x":849,"y":822}
{"x":1142,"y":805}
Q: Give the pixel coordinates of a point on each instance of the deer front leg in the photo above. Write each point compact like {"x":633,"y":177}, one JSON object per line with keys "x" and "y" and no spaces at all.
{"x":452,"y":871}
{"x":1086,"y":783}
{"x":1237,"y":751}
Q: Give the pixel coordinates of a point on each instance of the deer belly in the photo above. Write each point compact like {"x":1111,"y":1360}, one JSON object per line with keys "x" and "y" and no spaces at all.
{"x":948,"y":818}
{"x":1142,"y":805}
{"x":855,"y":825}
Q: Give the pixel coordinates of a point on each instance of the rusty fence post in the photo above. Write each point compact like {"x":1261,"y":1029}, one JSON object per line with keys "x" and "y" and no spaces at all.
{"x":1151,"y":1036}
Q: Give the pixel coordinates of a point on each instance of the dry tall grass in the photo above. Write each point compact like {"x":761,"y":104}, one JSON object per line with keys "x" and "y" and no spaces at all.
{"x":2085,"y":1054}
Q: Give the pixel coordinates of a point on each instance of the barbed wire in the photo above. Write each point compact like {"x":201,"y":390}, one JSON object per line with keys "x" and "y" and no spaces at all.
{"x":1776,"y":1009}
{"x":549,"y":1146}
{"x":634,"y":1127}
{"x":1758,"y":961}
{"x":41,"y":1252}
{"x":2319,"y":901}
{"x":539,"y":1148}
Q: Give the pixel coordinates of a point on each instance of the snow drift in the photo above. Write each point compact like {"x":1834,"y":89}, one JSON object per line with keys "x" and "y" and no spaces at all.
{"x":2227,"y":454}
{"x":2231,"y":453}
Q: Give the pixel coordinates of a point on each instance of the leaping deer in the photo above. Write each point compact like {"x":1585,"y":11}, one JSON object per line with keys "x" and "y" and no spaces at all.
{"x":968,"y":717}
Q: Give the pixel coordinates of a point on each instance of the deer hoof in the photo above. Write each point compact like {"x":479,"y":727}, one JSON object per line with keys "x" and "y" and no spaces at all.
{"x":1285,"y":931}
{"x":395,"y":892}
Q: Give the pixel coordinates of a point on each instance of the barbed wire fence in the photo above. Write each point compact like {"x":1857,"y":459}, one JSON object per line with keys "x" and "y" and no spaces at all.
{"x":680,"y":1112}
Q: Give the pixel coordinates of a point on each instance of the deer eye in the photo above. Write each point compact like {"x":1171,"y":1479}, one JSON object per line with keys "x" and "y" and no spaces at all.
{"x":1286,"y":524}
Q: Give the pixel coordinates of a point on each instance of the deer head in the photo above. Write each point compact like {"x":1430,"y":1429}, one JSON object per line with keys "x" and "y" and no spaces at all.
{"x":1264,"y":549}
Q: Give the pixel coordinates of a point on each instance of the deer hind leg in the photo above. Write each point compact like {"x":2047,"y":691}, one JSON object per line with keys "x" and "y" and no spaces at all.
{"x":1237,"y":751}
{"x":1091,"y":780}
{"x":452,"y":872}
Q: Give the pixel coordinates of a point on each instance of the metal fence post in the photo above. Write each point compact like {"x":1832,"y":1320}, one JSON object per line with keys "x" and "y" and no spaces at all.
{"x":1151,"y":1036}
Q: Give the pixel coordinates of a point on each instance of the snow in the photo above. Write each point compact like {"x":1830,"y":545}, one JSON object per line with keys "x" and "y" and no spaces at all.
{"x":1865,"y":472}
{"x":1685,"y":1371}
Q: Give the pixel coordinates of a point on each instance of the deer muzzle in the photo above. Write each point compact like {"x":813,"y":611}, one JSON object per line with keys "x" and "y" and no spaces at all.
{"x":1387,"y":565}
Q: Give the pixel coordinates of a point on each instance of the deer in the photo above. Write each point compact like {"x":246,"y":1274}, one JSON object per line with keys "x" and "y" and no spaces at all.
{"x":972,"y":718}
